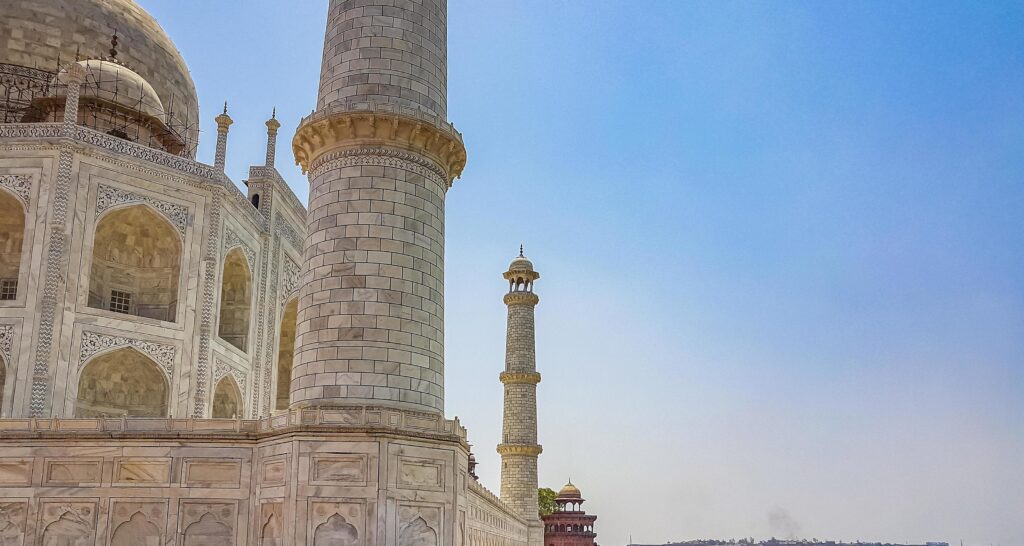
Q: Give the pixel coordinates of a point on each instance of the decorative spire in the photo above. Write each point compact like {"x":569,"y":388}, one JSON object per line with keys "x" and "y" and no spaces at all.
{"x":521,"y":251}
{"x":113,"y":45}
{"x":272,"y":126}
{"x":224,"y":121}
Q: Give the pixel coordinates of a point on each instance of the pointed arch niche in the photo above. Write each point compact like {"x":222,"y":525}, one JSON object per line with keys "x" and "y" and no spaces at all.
{"x":12,"y":238}
{"x":235,"y":300}
{"x":227,"y":399}
{"x":136,"y":264}
{"x":121,"y":383}
{"x":286,"y":354}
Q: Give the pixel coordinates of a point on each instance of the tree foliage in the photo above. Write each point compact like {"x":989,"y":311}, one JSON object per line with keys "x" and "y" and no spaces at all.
{"x":546,"y":501}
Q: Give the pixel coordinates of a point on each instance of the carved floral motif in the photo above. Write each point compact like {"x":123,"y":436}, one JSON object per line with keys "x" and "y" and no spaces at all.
{"x":107,"y":197}
{"x":6,"y":342}
{"x":19,"y":185}
{"x":290,"y":280}
{"x":93,"y":342}
{"x":221,"y":369}
{"x":232,"y":240}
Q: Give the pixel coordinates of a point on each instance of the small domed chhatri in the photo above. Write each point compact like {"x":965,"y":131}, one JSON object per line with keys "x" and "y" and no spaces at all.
{"x":520,"y":274}
{"x":116,"y":85}
{"x":570,"y":491}
{"x":569,"y":524}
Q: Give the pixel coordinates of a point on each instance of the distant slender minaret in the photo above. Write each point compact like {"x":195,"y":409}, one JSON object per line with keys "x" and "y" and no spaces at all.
{"x":519,"y":448}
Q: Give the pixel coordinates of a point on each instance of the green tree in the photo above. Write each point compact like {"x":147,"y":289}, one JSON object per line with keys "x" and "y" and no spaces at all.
{"x":546,"y":501}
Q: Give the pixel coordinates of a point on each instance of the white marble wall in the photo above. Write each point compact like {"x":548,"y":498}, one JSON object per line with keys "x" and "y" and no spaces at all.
{"x":66,"y":190}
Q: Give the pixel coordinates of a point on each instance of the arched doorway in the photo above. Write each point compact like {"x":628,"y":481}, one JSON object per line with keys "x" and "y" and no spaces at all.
{"x":136,"y":262}
{"x":235,"y":300}
{"x":12,"y":237}
{"x":121,"y":383}
{"x":227,"y":399}
{"x":285,"y":354}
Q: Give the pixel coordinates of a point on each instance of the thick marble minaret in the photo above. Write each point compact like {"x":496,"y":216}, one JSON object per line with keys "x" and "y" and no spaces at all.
{"x":519,"y":448}
{"x":380,"y":156}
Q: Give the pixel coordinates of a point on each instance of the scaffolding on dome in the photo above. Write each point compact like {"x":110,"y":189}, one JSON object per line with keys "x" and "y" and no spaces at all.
{"x":115,"y":106}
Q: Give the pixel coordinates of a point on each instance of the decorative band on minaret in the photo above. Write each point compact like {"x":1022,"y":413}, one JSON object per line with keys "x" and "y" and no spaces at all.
{"x":519,"y":448}
{"x":380,"y":156}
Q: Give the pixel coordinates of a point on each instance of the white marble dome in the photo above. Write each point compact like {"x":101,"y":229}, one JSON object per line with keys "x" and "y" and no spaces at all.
{"x":47,"y":34}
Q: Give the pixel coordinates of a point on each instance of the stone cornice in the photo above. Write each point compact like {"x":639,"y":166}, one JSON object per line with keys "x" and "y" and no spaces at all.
{"x":341,"y":420}
{"x":520,"y":274}
{"x":520,"y":449}
{"x":327,"y":132}
{"x":521,"y":298}
{"x":519,"y":378}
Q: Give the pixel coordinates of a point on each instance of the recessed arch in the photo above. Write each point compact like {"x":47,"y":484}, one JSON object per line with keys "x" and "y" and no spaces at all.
{"x":286,"y":354}
{"x":235,"y":300}
{"x":12,"y":239}
{"x":227,"y":399}
{"x":122,"y":383}
{"x":136,"y":264}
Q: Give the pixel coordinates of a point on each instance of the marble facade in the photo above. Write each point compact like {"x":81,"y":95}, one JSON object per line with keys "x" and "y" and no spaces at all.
{"x":185,"y":363}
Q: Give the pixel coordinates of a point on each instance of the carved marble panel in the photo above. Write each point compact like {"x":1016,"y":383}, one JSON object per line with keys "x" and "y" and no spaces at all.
{"x":13,"y":522}
{"x":6,"y":342}
{"x":289,"y":279}
{"x":274,"y":472}
{"x":67,"y":523}
{"x":422,"y":474}
{"x":271,"y":531}
{"x":216,"y":473}
{"x":419,"y":525}
{"x":72,"y":472}
{"x":15,"y":472}
{"x":337,"y":522}
{"x":332,"y":469}
{"x":138,"y":522}
{"x":147,"y":472}
{"x":108,"y":196}
{"x":207,"y":523}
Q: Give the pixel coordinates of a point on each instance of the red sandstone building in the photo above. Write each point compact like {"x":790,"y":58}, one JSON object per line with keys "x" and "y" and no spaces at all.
{"x":569,"y":525}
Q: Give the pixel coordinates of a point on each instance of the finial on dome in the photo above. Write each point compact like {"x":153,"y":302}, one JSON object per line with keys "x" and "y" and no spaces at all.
{"x":521,"y":251}
{"x":113,"y":45}
{"x":225,"y":108}
{"x":273,"y":113}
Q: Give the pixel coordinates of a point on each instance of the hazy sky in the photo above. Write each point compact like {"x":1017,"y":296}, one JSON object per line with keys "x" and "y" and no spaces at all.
{"x":782,"y":248}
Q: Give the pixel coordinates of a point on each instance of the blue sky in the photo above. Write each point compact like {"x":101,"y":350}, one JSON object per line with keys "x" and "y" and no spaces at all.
{"x":781,"y":247}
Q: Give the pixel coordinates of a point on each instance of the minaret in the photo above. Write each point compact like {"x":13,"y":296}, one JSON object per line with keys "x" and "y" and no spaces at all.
{"x":519,"y":448}
{"x":380,"y":157}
